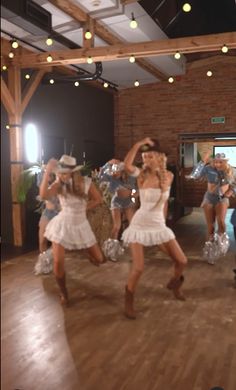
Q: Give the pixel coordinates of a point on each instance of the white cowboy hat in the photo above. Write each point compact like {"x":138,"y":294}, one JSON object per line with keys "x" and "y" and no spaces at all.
{"x":220,"y":156}
{"x":67,"y":164}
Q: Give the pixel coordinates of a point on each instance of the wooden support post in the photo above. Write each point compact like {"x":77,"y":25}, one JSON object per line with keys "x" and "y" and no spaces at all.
{"x":16,"y":153}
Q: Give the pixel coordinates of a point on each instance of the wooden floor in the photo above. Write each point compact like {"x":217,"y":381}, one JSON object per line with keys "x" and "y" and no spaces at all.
{"x":171,"y":345}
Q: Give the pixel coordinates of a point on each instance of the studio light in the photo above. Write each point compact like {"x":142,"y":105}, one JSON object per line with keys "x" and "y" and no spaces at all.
{"x":31,"y":143}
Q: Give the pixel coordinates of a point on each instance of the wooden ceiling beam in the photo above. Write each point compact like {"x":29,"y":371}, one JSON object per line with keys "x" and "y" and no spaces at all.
{"x":102,"y":32}
{"x":70,"y":9}
{"x":141,"y":49}
{"x":7,"y":98}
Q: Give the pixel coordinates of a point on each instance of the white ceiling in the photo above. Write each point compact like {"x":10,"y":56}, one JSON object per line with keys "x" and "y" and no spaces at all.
{"x":116,"y":18}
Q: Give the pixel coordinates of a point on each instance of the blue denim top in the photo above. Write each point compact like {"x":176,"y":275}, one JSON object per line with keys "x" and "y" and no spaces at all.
{"x":116,"y":183}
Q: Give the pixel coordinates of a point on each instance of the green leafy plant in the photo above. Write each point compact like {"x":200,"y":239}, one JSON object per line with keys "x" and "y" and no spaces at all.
{"x":25,"y":182}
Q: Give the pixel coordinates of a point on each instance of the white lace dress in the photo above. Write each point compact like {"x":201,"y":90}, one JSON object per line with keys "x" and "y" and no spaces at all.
{"x":70,"y":227}
{"x":148,"y":226}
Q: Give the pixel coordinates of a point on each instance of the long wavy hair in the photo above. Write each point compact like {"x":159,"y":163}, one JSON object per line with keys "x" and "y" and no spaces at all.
{"x":75,"y":186}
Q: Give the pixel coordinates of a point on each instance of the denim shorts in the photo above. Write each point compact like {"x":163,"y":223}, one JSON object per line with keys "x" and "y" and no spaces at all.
{"x":121,"y":203}
{"x":48,"y":214}
{"x":213,"y":199}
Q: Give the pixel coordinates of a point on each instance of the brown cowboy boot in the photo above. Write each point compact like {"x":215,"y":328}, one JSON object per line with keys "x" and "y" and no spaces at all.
{"x":175,"y":284}
{"x":129,"y":302}
{"x":63,"y":290}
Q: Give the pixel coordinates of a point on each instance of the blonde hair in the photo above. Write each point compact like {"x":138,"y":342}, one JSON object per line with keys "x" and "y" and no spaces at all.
{"x":228,"y":169}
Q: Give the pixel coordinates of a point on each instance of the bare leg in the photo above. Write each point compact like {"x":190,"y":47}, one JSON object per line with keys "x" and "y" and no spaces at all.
{"x":210,"y":216}
{"x":129,"y":212}
{"x":42,"y":240}
{"x":133,"y":278}
{"x":116,"y":220}
{"x":59,"y":270}
{"x":221,"y":210}
{"x":95,"y":255}
{"x":177,"y":255}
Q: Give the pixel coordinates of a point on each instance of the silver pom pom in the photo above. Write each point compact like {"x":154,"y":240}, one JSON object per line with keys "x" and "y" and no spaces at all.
{"x":216,"y":248}
{"x":44,"y":264}
{"x":223,"y":243}
{"x":211,"y":252}
{"x":112,"y":249}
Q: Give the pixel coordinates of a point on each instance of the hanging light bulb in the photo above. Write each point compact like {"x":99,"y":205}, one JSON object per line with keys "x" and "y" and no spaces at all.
{"x":177,"y":55}
{"x":49,"y":58}
{"x":133,"y":23}
{"x":132,"y":59}
{"x":49,"y":41}
{"x":171,"y":80}
{"x":88,"y":35}
{"x":105,"y":85}
{"x":187,"y":7}
{"x":89,"y":60}
{"x":136,"y":83}
{"x":7,"y":127}
{"x":11,"y":54}
{"x":14,"y":44}
{"x":4,"y":67}
{"x":224,"y":49}
{"x":27,"y":76}
{"x":76,"y":83}
{"x":209,"y":73}
{"x":51,"y":81}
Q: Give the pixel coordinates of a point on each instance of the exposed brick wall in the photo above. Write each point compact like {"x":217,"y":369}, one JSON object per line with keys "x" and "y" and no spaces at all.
{"x":164,"y":110}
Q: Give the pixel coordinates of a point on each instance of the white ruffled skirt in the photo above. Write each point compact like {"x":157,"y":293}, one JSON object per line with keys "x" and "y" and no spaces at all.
{"x":71,"y":230}
{"x":147,"y":228}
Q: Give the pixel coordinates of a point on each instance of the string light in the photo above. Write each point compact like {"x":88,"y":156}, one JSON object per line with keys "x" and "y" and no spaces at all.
{"x":224,"y":49}
{"x":136,"y":83}
{"x":76,"y":83}
{"x":187,"y":7}
{"x":27,"y":76}
{"x":51,"y":81}
{"x":11,"y":54}
{"x":171,"y":80}
{"x":7,"y":127}
{"x":105,"y":85}
{"x":89,"y":60}
{"x":14,"y":44}
{"x":49,"y":41}
{"x":4,"y":67}
{"x":177,"y":55}
{"x":49,"y":58}
{"x":132,"y":59}
{"x":133,"y":23}
{"x":209,"y":73}
{"x":88,"y":35}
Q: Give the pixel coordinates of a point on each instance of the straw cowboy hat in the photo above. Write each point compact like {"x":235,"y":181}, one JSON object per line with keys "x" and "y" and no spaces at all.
{"x":67,"y":164}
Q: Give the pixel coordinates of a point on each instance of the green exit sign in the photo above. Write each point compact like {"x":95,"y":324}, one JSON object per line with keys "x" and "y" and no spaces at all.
{"x":217,"y":119}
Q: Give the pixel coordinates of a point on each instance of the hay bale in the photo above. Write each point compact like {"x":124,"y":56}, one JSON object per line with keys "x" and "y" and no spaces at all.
{"x":101,"y":222}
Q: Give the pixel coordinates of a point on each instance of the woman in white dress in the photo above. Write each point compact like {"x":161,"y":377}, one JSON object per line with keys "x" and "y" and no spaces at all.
{"x":148,"y":226}
{"x":70,"y":229}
